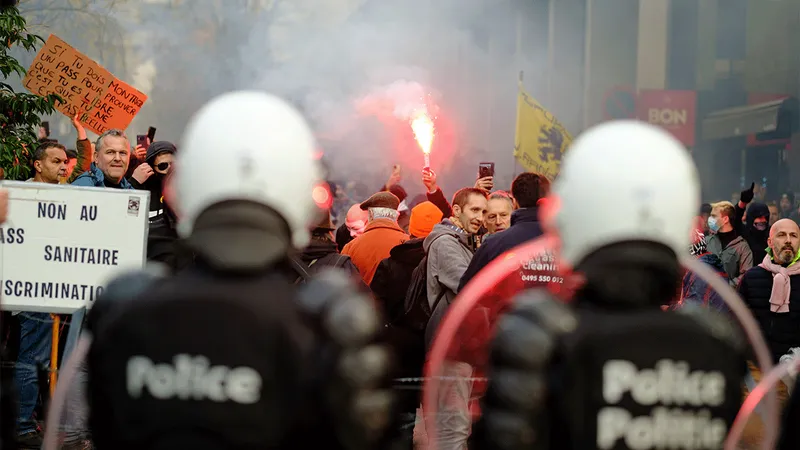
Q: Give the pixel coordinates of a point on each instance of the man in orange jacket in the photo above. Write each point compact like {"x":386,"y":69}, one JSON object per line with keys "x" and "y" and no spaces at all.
{"x":381,"y":235}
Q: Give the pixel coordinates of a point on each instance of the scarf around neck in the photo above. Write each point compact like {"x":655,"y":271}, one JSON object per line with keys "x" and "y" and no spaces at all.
{"x":781,"y":283}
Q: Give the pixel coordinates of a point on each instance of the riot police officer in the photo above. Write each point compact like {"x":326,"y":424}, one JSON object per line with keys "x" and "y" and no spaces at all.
{"x":229,"y":354}
{"x":611,"y":370}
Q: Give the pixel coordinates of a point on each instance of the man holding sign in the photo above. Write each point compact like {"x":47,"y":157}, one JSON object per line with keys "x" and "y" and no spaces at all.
{"x":111,"y":159}
{"x":50,"y":159}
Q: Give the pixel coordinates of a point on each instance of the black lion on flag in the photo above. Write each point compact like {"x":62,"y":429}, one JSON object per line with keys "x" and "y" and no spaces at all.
{"x":550,"y":143}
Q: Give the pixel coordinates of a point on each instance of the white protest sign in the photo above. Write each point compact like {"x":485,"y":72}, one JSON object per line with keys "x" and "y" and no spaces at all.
{"x":61,"y":244}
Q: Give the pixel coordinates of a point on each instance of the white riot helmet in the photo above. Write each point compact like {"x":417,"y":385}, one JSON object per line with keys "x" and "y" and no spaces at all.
{"x":248,"y":145}
{"x":623,"y":181}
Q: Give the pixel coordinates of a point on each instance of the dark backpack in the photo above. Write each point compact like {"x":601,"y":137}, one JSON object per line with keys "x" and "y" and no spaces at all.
{"x":417,"y":310}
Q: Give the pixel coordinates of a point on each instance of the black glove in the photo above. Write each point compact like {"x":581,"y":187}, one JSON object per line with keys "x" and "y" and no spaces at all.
{"x":747,"y":195}
{"x":352,"y":369}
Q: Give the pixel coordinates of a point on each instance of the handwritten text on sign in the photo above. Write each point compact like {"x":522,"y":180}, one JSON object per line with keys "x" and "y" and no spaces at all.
{"x":62,"y":243}
{"x":88,"y":89}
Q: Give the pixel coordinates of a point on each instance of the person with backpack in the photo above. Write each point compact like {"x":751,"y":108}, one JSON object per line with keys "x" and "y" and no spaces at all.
{"x":450,"y":248}
{"x":393,"y":275}
{"x":405,"y":332}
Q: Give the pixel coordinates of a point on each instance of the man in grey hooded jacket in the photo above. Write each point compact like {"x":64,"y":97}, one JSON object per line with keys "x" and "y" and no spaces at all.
{"x":450,"y":247}
{"x":727,"y":244}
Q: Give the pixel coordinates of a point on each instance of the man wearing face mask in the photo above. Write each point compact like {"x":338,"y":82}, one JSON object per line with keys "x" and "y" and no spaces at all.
{"x":149,"y":176}
{"x":756,"y":230}
{"x":727,"y":243}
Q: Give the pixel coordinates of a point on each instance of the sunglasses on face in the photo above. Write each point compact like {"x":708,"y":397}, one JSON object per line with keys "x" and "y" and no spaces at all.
{"x":163,"y":166}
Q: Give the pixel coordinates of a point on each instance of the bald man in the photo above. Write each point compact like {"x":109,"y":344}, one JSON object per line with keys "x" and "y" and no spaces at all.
{"x":772,"y":289}
{"x":354,"y":225}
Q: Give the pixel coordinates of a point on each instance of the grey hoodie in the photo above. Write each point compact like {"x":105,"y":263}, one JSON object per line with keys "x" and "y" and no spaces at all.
{"x":449,"y":254}
{"x":736,"y":257}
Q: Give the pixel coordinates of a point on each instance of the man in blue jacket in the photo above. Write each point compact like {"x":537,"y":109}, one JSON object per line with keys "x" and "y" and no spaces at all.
{"x":527,"y":189}
{"x":111,"y":158}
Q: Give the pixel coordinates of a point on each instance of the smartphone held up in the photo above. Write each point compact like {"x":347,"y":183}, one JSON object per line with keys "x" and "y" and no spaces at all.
{"x":485,"y":169}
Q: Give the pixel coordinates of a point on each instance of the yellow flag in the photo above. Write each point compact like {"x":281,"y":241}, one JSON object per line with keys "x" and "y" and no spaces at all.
{"x":540,"y":139}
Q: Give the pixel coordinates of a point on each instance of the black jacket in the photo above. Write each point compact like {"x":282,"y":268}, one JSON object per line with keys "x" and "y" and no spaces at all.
{"x":342,"y":237}
{"x":756,"y":239}
{"x":393,"y":276}
{"x":437,"y":198}
{"x":321,"y":254}
{"x":781,"y":330}
{"x":256,"y":323}
{"x":162,"y":236}
{"x":524,"y":227}
{"x":389,"y":286}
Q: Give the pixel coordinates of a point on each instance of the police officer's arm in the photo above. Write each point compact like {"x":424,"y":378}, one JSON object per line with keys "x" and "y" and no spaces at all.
{"x":514,"y":406}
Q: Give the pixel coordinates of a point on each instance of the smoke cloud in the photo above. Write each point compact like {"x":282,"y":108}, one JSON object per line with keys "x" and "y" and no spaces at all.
{"x":358,"y":70}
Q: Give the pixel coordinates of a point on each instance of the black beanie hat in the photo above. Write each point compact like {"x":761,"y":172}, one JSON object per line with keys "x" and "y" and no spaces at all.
{"x":755,"y":211}
{"x":157,"y":148}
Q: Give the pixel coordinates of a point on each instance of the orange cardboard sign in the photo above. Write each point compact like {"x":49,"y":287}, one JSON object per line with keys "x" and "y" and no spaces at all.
{"x":102,"y":100}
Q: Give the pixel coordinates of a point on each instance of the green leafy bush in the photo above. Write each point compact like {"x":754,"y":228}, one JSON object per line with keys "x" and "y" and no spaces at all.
{"x":19,"y":112}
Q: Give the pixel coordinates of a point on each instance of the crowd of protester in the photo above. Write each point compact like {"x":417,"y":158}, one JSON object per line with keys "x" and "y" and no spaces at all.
{"x":414,"y":254}
{"x":754,"y":246}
